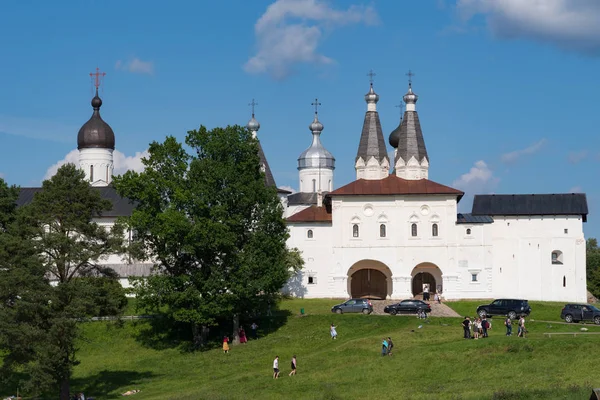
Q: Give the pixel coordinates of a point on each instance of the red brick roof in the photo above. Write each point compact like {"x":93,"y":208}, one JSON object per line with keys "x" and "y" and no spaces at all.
{"x":311,"y":214}
{"x":394,"y":185}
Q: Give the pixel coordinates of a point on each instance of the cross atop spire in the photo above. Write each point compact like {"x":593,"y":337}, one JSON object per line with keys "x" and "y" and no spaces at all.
{"x":253,"y":103}
{"x":371,"y":74}
{"x":400,"y":106}
{"x":97,"y":77}
{"x":410,"y":74}
{"x":316,"y":104}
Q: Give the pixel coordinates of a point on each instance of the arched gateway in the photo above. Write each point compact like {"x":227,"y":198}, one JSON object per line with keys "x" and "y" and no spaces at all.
{"x":426,"y":273}
{"x":369,"y":279}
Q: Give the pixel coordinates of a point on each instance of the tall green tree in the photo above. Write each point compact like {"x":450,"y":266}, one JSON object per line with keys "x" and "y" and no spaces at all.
{"x":64,"y":245}
{"x":24,"y":295}
{"x":212,"y":226}
{"x":593,"y":266}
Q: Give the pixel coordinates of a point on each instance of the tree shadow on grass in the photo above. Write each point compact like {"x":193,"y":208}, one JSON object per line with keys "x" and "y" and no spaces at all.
{"x":161,"y":333}
{"x":104,"y":384}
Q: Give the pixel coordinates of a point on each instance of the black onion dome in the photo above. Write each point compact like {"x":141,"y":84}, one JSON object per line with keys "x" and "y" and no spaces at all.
{"x":394,"y":138}
{"x":96,"y":134}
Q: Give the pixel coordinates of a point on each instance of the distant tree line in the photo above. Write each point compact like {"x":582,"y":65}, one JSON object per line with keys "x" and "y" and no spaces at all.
{"x":593,"y":267}
{"x":203,"y":215}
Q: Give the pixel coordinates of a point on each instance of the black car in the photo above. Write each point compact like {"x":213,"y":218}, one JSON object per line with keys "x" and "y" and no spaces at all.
{"x":580,"y":312}
{"x":512,"y":308}
{"x":354,"y":305}
{"x":407,"y":307}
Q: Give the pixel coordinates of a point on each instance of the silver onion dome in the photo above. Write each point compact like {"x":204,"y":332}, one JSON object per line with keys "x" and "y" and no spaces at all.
{"x":253,"y":124}
{"x":410,"y":97}
{"x":371,"y":97}
{"x":316,"y":125}
{"x":316,"y":156}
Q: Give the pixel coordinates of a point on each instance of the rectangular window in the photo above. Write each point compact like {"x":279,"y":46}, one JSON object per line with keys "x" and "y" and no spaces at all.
{"x":566,"y":231}
{"x":473,"y":277}
{"x":312,"y":280}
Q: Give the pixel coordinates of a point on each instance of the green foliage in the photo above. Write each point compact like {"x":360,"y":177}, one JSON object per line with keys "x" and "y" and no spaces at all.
{"x":211,"y":224}
{"x":54,"y":237}
{"x":593,"y":266}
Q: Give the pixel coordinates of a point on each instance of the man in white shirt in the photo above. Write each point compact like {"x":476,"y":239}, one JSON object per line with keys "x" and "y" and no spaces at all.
{"x":276,"y":367}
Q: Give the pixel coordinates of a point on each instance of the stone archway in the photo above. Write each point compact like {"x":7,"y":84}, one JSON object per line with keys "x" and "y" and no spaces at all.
{"x":426,"y":273}
{"x":369,"y":279}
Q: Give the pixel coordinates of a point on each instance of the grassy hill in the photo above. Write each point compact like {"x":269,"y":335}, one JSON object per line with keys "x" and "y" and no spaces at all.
{"x":430,"y":361}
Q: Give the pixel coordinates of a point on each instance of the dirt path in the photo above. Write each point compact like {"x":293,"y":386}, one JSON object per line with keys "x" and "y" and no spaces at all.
{"x":437,"y":310}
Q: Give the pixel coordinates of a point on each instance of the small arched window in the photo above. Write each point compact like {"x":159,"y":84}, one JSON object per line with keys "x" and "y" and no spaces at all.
{"x":564,"y":281}
{"x":557,"y":257}
{"x":91,"y":173}
{"x":330,"y":186}
{"x":468,"y":231}
{"x":314,"y":181}
{"x":107,"y":173}
{"x":413,"y":230}
{"x":434,"y":230}
{"x":309,"y":234}
{"x":355,"y":230}
{"x":382,"y":232}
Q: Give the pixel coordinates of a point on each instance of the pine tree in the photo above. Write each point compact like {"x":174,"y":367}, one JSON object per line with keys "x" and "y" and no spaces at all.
{"x":55,"y":238}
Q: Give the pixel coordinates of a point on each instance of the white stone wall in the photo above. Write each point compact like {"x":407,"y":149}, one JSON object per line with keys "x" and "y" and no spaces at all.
{"x":522,"y":248}
{"x":102,"y":162}
{"x":372,"y":169}
{"x":313,"y":180}
{"x":508,"y":258}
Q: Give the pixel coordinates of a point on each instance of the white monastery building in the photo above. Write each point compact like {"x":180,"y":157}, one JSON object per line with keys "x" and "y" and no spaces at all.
{"x":389,"y":233}
{"x":393,"y":231}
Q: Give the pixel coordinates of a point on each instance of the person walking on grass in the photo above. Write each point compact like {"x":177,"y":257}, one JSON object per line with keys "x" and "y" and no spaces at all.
{"x":508,"y":324}
{"x":225,"y":345}
{"x":390,"y":346}
{"x":384,"y":347}
{"x":276,"y":367}
{"x":333,"y":331}
{"x":485,"y":325}
{"x":521,"y":331}
{"x":294,"y":365}
{"x":466,"y":328}
{"x":254,"y":328}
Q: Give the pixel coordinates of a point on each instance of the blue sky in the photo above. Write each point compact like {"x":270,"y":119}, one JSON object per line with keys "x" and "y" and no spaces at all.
{"x":508,"y":89}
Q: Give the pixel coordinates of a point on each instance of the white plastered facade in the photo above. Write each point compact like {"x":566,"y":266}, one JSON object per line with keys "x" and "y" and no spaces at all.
{"x":511,"y":257}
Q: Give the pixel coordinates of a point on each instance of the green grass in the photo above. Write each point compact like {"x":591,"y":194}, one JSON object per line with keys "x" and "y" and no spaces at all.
{"x":428,"y":362}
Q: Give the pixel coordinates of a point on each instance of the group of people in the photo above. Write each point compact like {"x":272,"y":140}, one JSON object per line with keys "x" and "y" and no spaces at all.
{"x":241,"y":335}
{"x":386,"y":346}
{"x":294,"y":365}
{"x":479,"y":327}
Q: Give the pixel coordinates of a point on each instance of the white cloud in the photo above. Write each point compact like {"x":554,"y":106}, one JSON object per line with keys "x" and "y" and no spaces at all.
{"x":125,"y":163}
{"x":576,"y":157}
{"x":71,"y":158}
{"x":569,"y":24}
{"x":136,"y":66}
{"x":479,"y":179}
{"x":122,"y":163}
{"x":291,"y":189}
{"x":576,"y":189}
{"x":514,"y":156}
{"x":290,"y":31}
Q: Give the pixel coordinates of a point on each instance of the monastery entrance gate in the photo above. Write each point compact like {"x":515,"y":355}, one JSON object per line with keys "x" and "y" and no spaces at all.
{"x":426,"y":273}
{"x":369,"y":279}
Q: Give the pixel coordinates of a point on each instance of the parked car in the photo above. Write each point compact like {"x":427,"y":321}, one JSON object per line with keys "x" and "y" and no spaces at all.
{"x":580,"y":312}
{"x":354,"y":305}
{"x":407,"y":307}
{"x":512,"y":308}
